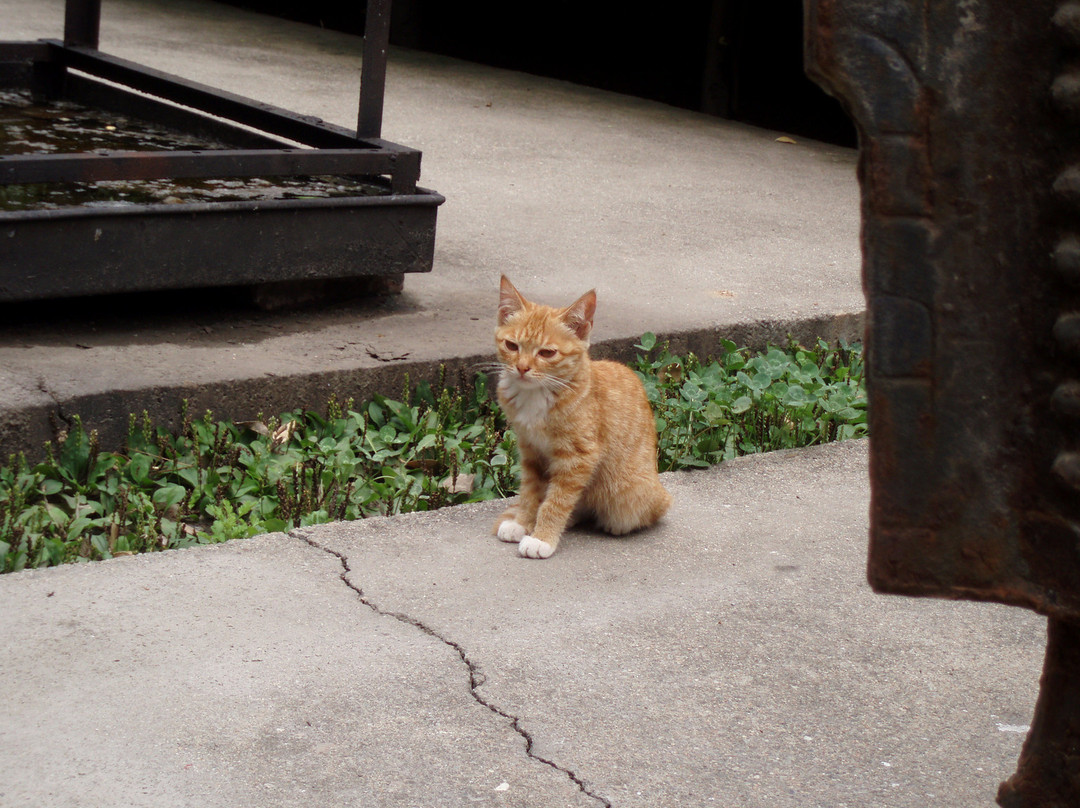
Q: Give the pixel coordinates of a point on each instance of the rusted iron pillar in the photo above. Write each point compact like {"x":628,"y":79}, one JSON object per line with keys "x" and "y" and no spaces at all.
{"x":967,"y":112}
{"x":1049,"y":772}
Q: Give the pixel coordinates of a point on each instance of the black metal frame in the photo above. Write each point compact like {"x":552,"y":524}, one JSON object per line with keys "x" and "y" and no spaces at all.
{"x":34,"y":262}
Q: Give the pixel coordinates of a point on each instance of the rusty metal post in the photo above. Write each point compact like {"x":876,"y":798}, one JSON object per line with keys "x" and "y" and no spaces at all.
{"x":1048,"y":775}
{"x":970,"y":173}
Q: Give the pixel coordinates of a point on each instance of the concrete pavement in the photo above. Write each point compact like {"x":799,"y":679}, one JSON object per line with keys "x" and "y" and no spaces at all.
{"x":732,"y":656}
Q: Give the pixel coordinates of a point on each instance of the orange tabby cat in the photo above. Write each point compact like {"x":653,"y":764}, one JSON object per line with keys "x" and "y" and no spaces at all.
{"x":584,"y":428}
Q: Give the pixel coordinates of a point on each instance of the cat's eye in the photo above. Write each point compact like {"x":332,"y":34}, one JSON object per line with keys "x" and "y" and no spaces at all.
{"x":511,"y":346}
{"x":547,"y":353}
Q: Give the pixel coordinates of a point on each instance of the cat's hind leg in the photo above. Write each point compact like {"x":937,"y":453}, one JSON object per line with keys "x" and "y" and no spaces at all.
{"x":633,"y":509}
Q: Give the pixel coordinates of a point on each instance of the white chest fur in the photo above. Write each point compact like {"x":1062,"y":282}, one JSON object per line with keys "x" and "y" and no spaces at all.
{"x":530,"y":402}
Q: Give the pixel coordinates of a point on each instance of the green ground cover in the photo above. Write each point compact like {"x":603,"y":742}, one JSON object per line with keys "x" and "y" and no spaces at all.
{"x":211,"y":480}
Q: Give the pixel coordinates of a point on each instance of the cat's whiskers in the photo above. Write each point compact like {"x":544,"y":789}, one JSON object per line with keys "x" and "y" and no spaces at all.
{"x":508,"y":370}
{"x":555,"y":384}
{"x":491,"y":367}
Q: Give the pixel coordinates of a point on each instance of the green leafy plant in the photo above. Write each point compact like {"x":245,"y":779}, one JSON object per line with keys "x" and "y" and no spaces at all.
{"x":735,"y":404}
{"x":211,"y":481}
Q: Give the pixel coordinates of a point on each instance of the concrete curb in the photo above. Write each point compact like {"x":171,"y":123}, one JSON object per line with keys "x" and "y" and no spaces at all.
{"x":27,"y":421}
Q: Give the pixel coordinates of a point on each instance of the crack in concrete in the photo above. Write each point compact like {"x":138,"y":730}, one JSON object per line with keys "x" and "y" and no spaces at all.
{"x":476,"y":676}
{"x":58,"y":413}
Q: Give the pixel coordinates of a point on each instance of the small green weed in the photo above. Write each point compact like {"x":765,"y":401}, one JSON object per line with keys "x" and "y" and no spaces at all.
{"x":736,"y":404}
{"x":213,"y":481}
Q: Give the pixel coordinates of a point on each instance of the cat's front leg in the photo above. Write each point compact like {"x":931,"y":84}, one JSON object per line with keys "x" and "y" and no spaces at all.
{"x":565,"y":486}
{"x":518,"y":520}
{"x":532,"y":547}
{"x":509,"y":529}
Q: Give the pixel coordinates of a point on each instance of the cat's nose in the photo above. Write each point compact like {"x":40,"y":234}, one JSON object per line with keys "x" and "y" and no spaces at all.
{"x":522,"y":370}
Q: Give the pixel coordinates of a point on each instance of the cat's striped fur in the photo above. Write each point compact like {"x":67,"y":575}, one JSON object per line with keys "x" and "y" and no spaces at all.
{"x":584,"y":428}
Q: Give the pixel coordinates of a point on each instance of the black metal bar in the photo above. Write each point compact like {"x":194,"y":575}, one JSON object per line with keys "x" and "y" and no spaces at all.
{"x":373,"y":68}
{"x":96,"y":167}
{"x":24,"y":51}
{"x":407,"y":173}
{"x":82,"y":23}
{"x":149,"y":247}
{"x":304,"y":129}
{"x":32,"y":65}
{"x":352,"y":156}
{"x":107,"y":97}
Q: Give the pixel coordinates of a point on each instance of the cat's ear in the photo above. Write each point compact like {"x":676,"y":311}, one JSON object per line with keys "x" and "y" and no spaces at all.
{"x":510,"y":300}
{"x":579,"y":316}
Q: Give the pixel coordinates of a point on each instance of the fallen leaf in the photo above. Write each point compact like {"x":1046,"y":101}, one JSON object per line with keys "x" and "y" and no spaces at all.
{"x":784,"y":139}
{"x":670,"y":373}
{"x":283,"y":434}
{"x":462,"y":484}
{"x":721,"y":293}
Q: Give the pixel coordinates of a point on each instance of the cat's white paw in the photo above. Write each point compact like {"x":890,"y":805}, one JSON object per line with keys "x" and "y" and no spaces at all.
{"x":511,"y":530}
{"x":532,"y":547}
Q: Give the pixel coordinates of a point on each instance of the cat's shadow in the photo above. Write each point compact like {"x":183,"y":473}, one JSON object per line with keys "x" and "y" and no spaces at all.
{"x":587,"y":531}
